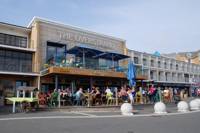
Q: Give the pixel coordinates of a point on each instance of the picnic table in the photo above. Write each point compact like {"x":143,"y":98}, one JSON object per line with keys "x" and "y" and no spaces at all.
{"x":23,"y":99}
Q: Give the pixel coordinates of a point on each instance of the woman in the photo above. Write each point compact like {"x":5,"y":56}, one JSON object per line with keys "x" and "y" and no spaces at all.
{"x":130,"y":95}
{"x":123,"y":94}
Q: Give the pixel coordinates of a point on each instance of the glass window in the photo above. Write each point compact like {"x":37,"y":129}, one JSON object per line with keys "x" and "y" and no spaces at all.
{"x":55,"y":52}
{"x":171,"y":65}
{"x":15,"y":61}
{"x":2,"y":38}
{"x":159,"y":64}
{"x":12,"y":40}
{"x":165,"y":65}
{"x":144,"y":61}
{"x":51,"y":51}
{"x":152,"y":63}
{"x":1,"y":62}
{"x":176,"y":66}
{"x":136,"y":60}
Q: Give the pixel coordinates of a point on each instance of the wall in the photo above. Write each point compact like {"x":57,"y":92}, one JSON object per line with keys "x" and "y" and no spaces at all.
{"x":44,"y":32}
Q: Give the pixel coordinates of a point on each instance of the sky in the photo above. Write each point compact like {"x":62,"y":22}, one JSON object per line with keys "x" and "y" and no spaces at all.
{"x":147,"y":25}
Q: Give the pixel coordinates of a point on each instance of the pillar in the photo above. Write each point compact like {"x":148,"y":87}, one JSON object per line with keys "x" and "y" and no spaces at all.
{"x":56,"y":82}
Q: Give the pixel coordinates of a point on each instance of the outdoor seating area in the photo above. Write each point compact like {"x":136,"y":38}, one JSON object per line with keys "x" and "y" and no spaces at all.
{"x":108,"y":96}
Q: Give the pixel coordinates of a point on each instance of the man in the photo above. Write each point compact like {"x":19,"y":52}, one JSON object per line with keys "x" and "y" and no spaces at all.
{"x":78,"y":95}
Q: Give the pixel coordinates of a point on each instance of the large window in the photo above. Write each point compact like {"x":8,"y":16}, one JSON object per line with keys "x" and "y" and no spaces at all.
{"x":15,"y":61}
{"x":55,"y":52}
{"x":12,"y":40}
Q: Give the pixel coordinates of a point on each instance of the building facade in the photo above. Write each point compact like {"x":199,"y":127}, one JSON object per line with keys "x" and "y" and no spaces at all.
{"x":166,"y":71}
{"x":51,"y":55}
{"x":190,"y":57}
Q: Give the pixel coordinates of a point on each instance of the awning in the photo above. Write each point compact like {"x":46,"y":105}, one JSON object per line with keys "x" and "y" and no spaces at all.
{"x":84,"y":49}
{"x":26,"y":88}
{"x":111,"y":56}
{"x":88,"y":51}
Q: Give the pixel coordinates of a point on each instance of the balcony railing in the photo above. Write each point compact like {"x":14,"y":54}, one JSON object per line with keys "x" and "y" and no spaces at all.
{"x":139,"y":71}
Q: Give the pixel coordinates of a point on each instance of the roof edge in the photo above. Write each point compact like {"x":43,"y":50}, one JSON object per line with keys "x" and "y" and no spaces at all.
{"x":16,"y":26}
{"x":35,"y":18}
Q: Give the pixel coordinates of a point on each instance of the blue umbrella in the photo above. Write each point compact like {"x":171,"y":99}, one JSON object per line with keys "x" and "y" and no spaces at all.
{"x":131,"y":74}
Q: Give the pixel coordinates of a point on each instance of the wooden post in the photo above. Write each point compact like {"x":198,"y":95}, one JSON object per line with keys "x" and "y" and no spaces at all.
{"x":59,"y":98}
{"x":116,"y":96}
{"x":31,"y":94}
{"x":23,"y":93}
{"x":17,"y":93}
{"x":13,"y":110}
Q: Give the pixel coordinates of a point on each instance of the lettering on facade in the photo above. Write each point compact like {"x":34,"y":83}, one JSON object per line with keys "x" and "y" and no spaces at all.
{"x":106,"y":44}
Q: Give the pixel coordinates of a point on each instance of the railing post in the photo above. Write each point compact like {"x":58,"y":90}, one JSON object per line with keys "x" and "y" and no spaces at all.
{"x":88,"y":97}
{"x":59,"y":98}
{"x":116,"y":96}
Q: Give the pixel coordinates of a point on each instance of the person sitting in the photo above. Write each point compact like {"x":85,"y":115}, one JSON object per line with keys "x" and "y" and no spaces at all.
{"x":93,"y":94}
{"x":42,"y":98}
{"x":54,"y":98}
{"x":109,"y":97}
{"x":98,"y":98}
{"x":123,"y":94}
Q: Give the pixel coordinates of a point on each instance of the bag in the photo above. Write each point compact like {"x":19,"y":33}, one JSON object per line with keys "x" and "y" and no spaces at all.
{"x":133,"y":93}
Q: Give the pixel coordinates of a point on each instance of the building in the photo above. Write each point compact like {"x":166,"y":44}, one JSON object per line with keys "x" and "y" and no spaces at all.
{"x":192,"y":57}
{"x":166,"y":71}
{"x":16,"y":59}
{"x":51,"y":55}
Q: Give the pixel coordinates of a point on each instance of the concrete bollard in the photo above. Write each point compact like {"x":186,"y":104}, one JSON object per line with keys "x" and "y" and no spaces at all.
{"x":126,"y":109}
{"x":198,"y":100}
{"x":194,"y":105}
{"x":160,"y":108}
{"x":183,"y":106}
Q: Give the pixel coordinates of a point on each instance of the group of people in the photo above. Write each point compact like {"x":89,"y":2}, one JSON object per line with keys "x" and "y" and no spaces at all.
{"x":97,"y":96}
{"x":123,"y":94}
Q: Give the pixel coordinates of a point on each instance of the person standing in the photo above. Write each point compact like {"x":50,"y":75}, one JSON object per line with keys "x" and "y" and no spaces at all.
{"x":130,"y":95}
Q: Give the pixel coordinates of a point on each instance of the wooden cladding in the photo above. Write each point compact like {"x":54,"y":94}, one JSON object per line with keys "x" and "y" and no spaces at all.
{"x":89,"y":72}
{"x":86,"y":72}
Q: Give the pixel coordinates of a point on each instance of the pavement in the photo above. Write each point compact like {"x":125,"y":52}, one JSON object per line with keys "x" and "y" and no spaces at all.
{"x":137,"y":109}
{"x":101,"y":120}
{"x":98,"y":122}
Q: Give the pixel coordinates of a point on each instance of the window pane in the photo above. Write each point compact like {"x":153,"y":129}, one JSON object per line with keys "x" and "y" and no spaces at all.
{"x":15,"y":61}
{"x":12,"y":40}
{"x":2,"y":38}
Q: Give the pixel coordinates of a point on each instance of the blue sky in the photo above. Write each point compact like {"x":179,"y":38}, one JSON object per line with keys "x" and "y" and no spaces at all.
{"x":147,"y":25}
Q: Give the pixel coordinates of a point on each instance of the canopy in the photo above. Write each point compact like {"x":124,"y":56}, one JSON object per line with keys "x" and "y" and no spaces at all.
{"x":111,"y":56}
{"x":26,"y":88}
{"x":84,"y":50}
{"x":87,"y":51}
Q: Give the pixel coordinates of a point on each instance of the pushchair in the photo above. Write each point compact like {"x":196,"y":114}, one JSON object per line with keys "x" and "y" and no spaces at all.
{"x":177,"y":98}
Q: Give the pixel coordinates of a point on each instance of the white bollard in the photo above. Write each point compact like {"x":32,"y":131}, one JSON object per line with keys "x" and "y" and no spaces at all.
{"x":183,"y":106}
{"x":160,"y":108}
{"x":194,"y":105}
{"x":198,"y":100}
{"x":126,"y":109}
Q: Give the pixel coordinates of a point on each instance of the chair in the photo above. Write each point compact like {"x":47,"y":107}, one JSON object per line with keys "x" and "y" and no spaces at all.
{"x":110,"y":99}
{"x":98,"y":99}
{"x":42,"y":99}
